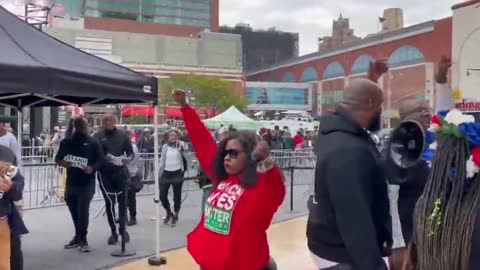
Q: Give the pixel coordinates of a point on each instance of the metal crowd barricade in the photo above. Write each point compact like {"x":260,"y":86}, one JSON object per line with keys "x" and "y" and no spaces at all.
{"x":299,"y":166}
{"x":37,"y":154}
{"x":45,"y":182}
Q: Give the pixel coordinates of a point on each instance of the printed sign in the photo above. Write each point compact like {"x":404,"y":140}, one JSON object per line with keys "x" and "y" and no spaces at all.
{"x":117,"y":161}
{"x":76,"y":162}
{"x":220,"y":206}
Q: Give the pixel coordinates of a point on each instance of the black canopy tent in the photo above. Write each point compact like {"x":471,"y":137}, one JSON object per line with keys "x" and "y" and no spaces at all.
{"x":39,"y":70}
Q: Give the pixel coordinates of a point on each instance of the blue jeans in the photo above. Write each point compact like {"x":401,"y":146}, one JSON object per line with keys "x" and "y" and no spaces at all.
{"x":206,"y":191}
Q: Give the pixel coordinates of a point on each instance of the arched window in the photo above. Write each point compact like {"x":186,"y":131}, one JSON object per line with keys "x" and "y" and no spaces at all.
{"x":309,"y":75}
{"x":405,"y":55}
{"x":333,"y":70}
{"x":361,"y":64}
{"x":288,"y":77}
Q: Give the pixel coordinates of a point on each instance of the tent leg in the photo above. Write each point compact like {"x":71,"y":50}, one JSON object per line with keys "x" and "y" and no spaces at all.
{"x":19,"y":132}
{"x":156,"y":260}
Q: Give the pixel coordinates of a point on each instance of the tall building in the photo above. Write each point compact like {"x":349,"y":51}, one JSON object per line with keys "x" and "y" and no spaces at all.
{"x":341,"y":34}
{"x":264,"y":48}
{"x":159,"y":17}
{"x":392,"y":19}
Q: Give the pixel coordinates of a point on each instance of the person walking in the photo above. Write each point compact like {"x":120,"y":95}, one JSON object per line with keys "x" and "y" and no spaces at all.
{"x":351,"y":228}
{"x":145,"y":146}
{"x":173,"y":165}
{"x":114,"y":175}
{"x":247,"y":191}
{"x":135,"y":183}
{"x":81,"y":155}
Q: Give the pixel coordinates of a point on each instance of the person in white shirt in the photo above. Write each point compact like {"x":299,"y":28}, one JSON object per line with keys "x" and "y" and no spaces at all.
{"x":173,"y":164}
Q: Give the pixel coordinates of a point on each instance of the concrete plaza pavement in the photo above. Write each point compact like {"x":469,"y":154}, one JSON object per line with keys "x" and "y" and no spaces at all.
{"x":51,"y":228}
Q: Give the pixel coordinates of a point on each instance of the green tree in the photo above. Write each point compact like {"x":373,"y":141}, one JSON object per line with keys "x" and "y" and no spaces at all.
{"x":208,"y":91}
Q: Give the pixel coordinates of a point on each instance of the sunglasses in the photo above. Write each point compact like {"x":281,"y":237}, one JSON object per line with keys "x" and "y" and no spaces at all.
{"x":232,"y":153}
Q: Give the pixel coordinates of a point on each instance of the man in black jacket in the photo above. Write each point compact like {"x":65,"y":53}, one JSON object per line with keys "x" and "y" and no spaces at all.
{"x":82,"y":155}
{"x":118,"y":152}
{"x":349,"y":226}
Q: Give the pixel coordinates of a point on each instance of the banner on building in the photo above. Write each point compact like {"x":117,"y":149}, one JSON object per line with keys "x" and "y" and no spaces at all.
{"x":263,"y":96}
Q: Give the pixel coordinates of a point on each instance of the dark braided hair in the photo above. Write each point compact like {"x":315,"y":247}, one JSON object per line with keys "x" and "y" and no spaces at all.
{"x":248,"y":142}
{"x":445,"y":213}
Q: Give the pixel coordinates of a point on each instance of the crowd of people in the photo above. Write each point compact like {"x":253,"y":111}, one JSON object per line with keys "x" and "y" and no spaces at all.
{"x":348,"y":228}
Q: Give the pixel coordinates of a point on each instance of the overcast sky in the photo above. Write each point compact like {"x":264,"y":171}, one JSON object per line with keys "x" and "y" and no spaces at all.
{"x":313,"y":18}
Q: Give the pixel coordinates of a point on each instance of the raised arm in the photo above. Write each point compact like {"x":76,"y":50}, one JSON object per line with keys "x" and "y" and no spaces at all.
{"x":444,"y":96}
{"x":203,"y":142}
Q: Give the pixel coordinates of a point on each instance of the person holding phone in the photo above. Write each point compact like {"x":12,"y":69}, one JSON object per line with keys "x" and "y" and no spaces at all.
{"x":247,"y":190}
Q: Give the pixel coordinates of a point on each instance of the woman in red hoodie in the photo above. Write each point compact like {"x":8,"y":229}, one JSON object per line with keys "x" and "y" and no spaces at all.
{"x":248,"y":189}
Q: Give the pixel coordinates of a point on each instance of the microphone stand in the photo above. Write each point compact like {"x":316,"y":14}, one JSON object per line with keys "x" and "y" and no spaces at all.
{"x":123,"y":252}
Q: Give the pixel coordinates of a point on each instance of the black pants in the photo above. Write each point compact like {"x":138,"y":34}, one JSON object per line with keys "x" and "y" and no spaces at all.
{"x":132,"y":203}
{"x":111,"y":197}
{"x":177,"y":196}
{"x":78,"y":200}
{"x":16,"y":257}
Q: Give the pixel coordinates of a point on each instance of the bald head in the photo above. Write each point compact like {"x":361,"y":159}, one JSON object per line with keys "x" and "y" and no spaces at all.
{"x":362,"y":92}
{"x":364,"y":99}
{"x":109,"y":121}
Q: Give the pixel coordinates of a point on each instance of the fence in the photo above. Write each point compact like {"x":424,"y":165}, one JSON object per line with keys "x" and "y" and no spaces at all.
{"x":45,"y":182}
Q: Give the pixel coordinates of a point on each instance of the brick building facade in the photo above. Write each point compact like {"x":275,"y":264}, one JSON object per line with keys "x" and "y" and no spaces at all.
{"x":412,"y":53}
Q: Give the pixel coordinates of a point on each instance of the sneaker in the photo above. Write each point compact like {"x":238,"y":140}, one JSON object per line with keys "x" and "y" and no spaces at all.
{"x":84,"y":247}
{"x":168,"y":218}
{"x":175,"y":220}
{"x":113,"y":239}
{"x":132,"y":222}
{"x":72,"y":244}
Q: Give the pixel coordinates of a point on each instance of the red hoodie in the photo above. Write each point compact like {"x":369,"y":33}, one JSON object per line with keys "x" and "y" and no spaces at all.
{"x":298,"y":139}
{"x":231,"y":234}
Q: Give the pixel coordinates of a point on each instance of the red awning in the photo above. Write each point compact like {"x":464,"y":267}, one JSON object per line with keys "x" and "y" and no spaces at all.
{"x":173,"y":112}
{"x":137,"y":111}
{"x":170,"y":112}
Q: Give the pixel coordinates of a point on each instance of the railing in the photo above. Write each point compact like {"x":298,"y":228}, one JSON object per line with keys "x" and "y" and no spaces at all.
{"x":45,"y":182}
{"x":37,"y":154}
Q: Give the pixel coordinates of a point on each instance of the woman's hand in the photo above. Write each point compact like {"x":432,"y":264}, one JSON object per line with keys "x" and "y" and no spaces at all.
{"x":262,"y":151}
{"x":179,"y":97}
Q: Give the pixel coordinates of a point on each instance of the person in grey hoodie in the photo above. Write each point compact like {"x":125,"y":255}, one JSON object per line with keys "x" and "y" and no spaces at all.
{"x":173,"y":164}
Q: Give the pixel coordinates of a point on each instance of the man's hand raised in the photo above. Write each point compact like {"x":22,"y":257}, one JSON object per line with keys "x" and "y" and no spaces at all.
{"x":377,"y":69}
{"x":442,"y":70}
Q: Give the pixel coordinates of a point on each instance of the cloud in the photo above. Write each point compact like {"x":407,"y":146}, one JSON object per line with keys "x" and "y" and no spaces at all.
{"x":313,"y":18}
